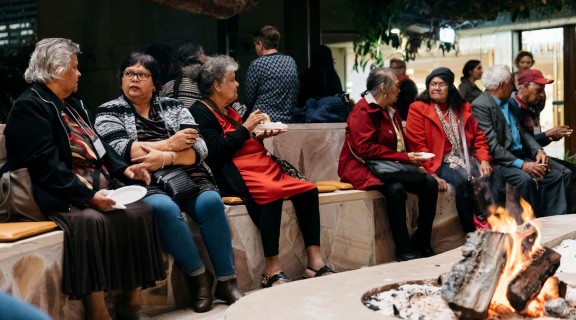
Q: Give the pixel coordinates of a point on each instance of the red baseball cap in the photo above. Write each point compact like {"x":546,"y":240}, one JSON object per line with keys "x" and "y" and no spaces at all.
{"x":533,"y":75}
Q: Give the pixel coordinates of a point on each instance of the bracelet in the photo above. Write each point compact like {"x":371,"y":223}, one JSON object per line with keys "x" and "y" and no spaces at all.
{"x":163,"y":159}
{"x":173,"y":156}
{"x":168,"y":143}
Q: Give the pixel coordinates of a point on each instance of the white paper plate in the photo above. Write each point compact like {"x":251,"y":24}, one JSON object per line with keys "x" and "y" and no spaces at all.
{"x":126,"y":195}
{"x":270,"y":126}
{"x":427,"y":155}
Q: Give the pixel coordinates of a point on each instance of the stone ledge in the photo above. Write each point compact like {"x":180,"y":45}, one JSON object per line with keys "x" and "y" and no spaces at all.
{"x":354,"y":234}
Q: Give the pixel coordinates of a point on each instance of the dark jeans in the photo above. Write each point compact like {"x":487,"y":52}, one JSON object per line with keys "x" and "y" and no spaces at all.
{"x":465,"y":199}
{"x":571,"y":183}
{"x":547,"y":196}
{"x":308,"y":215}
{"x":395,"y":193}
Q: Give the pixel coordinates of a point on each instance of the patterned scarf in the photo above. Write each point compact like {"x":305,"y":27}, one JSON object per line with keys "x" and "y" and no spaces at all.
{"x":455,"y":157}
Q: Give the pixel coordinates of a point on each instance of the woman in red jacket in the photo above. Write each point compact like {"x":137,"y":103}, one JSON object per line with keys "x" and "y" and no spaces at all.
{"x":374,"y":131}
{"x":433,"y":126}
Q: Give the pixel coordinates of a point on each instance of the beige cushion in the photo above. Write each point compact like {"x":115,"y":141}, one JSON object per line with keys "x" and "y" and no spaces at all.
{"x":325,"y":189}
{"x":336,"y":184}
{"x":12,"y":231}
{"x":231,"y":201}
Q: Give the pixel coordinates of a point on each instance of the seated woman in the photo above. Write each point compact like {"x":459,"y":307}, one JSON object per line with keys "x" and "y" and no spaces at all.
{"x":50,"y":133}
{"x":145,"y":128}
{"x":433,"y":126}
{"x":374,"y":131}
{"x":242,"y":168}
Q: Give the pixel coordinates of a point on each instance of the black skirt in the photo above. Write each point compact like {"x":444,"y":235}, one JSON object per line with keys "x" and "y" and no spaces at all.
{"x":114,"y":250}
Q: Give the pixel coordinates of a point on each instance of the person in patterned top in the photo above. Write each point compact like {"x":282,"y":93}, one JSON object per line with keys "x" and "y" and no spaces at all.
{"x":272,"y":84}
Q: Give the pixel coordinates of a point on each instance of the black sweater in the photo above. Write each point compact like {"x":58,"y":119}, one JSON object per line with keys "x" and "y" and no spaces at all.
{"x":37,"y":138}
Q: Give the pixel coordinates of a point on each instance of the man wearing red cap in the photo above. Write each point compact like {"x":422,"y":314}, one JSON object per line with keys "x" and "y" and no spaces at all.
{"x":530,"y":100}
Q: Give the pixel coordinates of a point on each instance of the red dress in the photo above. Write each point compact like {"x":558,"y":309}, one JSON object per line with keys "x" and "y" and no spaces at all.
{"x":263,"y":177}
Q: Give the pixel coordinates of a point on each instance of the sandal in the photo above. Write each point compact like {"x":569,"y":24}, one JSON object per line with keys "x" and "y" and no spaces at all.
{"x":318,"y":273}
{"x":267,"y":281}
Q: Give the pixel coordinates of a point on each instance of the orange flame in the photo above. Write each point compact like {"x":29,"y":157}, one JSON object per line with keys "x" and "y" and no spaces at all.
{"x":501,"y":220}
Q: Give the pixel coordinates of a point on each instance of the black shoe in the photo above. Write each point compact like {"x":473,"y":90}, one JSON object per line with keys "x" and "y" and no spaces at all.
{"x":127,"y":314}
{"x":407,"y":256}
{"x":427,"y":251}
{"x":228,"y":291}
{"x":200,"y":288}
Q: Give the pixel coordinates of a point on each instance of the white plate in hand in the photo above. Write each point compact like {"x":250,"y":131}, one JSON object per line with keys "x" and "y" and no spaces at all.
{"x":126,"y":195}
{"x":271,"y":126}
{"x":426,"y":155}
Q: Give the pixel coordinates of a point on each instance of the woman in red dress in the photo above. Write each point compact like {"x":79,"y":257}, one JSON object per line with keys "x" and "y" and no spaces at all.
{"x":242,"y":167}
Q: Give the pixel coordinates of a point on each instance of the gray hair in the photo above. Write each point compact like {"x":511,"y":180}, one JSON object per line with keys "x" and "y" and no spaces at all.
{"x":493,"y":76}
{"x":377,"y":76}
{"x":214,"y":70}
{"x":50,"y":59}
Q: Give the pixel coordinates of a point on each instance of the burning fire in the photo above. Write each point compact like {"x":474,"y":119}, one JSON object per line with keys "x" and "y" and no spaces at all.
{"x":524,"y":244}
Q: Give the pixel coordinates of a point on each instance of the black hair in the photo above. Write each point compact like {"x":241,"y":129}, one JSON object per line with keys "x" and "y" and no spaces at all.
{"x":148,"y":62}
{"x":469,"y":66}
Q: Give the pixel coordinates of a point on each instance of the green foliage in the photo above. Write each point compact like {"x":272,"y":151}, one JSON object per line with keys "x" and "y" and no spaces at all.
{"x":570,"y":157}
{"x":374,"y":20}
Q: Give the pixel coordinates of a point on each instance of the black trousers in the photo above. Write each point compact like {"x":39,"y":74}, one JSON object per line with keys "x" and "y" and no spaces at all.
{"x":547,"y":196}
{"x":307,"y":213}
{"x":395,"y":193}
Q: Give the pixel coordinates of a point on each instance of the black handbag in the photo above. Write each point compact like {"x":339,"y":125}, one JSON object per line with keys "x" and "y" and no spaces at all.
{"x":176,"y":182}
{"x":389,"y":170}
{"x":288,"y":168}
{"x":479,"y":185}
{"x":16,"y":197}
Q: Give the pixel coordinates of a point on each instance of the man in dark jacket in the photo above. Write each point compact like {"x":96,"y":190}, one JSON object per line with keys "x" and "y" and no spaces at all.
{"x":519,"y":159}
{"x":530,"y":100}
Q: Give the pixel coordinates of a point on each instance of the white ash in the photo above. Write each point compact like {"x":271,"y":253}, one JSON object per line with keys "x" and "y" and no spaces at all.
{"x":423,"y":302}
{"x":410,"y":301}
{"x":567,"y":249}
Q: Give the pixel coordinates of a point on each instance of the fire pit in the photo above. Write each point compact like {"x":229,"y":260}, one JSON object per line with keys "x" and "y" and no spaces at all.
{"x":340,"y":296}
{"x":504,"y":273}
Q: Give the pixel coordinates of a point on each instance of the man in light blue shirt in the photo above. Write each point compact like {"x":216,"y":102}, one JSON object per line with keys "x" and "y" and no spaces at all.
{"x":518,"y":158}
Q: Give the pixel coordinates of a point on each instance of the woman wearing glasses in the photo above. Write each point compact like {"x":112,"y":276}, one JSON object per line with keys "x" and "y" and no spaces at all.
{"x":145,"y":128}
{"x":433,"y":126}
{"x":374,"y":131}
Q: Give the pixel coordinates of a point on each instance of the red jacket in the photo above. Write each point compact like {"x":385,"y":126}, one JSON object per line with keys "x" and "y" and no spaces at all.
{"x":371,"y":135}
{"x":425,"y":134}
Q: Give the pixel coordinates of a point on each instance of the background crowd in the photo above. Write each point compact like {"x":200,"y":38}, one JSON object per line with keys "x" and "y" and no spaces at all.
{"x":187,"y":116}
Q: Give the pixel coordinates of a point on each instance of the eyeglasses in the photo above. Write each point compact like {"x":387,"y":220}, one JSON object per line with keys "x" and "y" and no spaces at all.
{"x":129,"y":75}
{"x":439,"y":85}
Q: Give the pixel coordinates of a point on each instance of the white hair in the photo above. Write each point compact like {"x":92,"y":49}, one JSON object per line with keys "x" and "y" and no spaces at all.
{"x":50,"y":59}
{"x":493,"y":76}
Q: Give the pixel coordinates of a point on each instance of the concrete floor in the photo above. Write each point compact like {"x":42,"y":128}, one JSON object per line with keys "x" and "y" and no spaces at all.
{"x":339,"y":296}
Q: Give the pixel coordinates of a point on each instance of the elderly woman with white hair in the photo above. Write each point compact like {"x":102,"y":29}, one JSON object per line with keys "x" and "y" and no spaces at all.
{"x":50,"y":133}
{"x":374,"y":131}
{"x":243,"y":168}
{"x":518,"y":158}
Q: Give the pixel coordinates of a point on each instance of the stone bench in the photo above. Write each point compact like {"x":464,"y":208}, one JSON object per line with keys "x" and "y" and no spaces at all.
{"x":354,"y":234}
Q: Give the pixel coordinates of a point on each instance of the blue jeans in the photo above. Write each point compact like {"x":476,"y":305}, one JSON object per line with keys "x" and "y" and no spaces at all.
{"x":12,"y":308}
{"x":207,"y":211}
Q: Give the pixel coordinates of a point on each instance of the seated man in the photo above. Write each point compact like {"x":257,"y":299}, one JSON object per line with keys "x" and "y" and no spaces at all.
{"x":530,"y":100}
{"x":518,"y":158}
